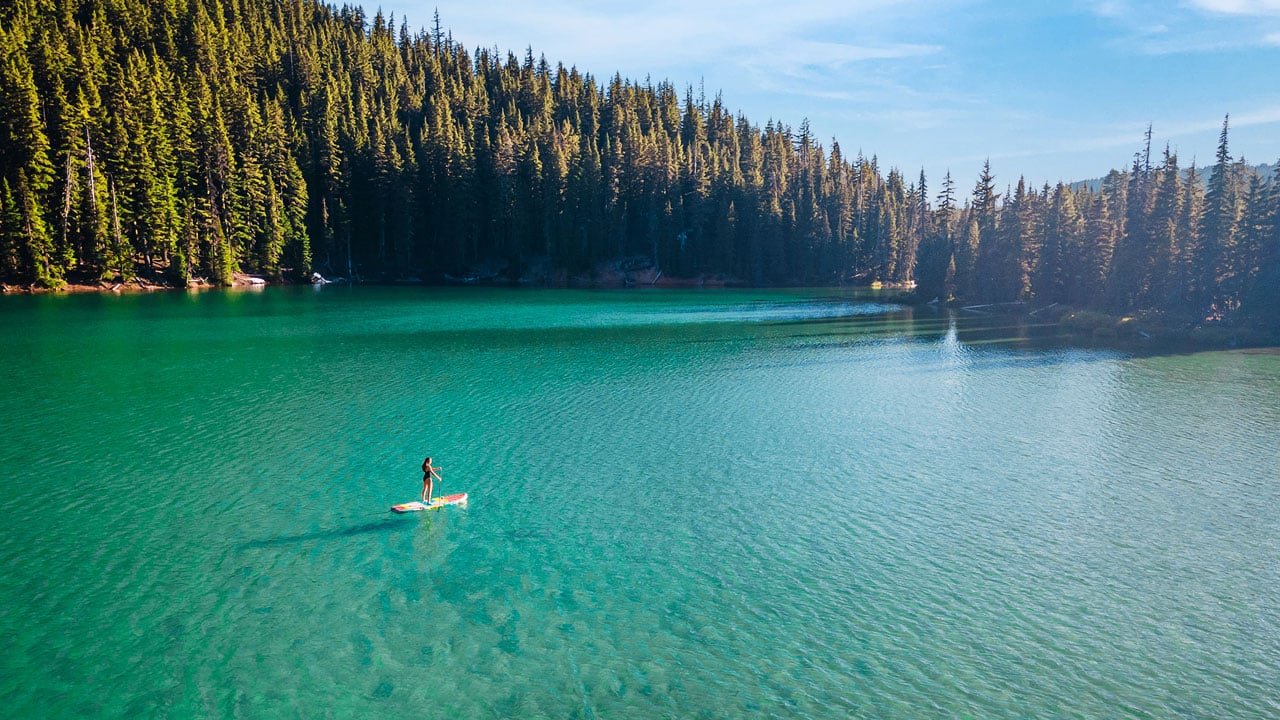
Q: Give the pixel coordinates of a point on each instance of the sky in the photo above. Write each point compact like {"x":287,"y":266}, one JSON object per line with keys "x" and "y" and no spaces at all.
{"x":1057,"y":90}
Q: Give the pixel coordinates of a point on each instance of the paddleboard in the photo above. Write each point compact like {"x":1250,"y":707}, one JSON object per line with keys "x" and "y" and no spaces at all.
{"x":417,"y":505}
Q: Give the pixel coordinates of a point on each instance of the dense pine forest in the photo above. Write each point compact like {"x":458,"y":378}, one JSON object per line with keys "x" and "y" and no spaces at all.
{"x":190,"y":140}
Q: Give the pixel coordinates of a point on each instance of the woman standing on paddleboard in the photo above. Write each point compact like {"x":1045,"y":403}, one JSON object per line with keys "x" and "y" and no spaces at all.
{"x":428,"y":470}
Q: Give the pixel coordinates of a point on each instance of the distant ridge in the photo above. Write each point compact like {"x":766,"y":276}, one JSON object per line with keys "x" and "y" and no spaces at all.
{"x":1266,"y":170}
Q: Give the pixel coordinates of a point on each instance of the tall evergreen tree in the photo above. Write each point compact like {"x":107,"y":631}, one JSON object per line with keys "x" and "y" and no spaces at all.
{"x":209,"y":137}
{"x":1217,"y":269}
{"x":1162,"y":236}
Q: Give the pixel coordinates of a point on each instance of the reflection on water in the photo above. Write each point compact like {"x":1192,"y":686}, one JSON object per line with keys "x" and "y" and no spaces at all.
{"x":683,"y":504}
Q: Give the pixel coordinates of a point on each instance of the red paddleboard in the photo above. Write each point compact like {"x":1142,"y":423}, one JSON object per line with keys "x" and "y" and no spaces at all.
{"x":416,"y":505}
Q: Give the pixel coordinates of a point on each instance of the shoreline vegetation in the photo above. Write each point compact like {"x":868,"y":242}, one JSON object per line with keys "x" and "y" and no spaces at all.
{"x":1144,"y":333}
{"x":217,"y":143}
{"x":624,"y":273}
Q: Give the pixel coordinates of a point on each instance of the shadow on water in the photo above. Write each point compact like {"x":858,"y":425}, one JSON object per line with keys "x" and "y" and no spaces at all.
{"x":388,"y":525}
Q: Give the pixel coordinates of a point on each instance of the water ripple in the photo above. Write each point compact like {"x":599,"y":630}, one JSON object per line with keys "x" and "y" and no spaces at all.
{"x":739,"y":505}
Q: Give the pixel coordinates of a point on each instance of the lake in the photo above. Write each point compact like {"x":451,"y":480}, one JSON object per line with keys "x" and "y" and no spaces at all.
{"x":792,"y":504}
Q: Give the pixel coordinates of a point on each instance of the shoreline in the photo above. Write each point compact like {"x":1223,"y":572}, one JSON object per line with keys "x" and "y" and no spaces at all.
{"x":1140,"y":333}
{"x":136,"y":285}
{"x":1136,"y":334}
{"x":618,"y":280}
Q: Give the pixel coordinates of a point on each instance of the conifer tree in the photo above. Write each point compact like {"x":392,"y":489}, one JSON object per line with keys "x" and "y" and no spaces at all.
{"x":936,"y":253}
{"x":1062,"y":247}
{"x":10,"y":233}
{"x":1216,"y":267}
{"x":1162,"y":235}
{"x":1130,"y":271}
{"x":1089,"y":282}
{"x":1187,"y":233}
{"x":1262,"y":300}
{"x":209,"y":137}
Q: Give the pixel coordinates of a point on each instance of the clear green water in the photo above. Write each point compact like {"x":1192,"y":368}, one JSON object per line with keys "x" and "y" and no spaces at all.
{"x":720,"y":504}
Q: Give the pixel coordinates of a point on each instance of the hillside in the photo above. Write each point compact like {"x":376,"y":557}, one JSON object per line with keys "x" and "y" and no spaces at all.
{"x":192,"y":141}
{"x":1094,"y":185}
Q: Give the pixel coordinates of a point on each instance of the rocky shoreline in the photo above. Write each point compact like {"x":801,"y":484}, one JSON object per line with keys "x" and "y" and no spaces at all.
{"x":135,"y":285}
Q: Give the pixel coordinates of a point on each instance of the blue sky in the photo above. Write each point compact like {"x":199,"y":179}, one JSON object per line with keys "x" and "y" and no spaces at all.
{"x":1049,"y":90}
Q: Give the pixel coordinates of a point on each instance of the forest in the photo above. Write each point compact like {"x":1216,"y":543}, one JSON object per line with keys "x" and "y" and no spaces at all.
{"x":190,"y":140}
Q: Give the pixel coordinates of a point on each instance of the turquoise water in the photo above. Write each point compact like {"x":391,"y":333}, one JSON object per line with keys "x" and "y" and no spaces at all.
{"x":683,"y":504}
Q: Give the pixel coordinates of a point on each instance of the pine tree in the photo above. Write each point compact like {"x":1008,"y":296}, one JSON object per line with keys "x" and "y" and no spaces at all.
{"x":24,"y":146}
{"x":935,"y":259}
{"x":1089,"y":282}
{"x":10,"y":233}
{"x":1256,"y":233}
{"x":1262,"y":300}
{"x":1063,"y":245}
{"x":1187,"y":246}
{"x":1162,"y":235}
{"x":1127,"y":283}
{"x":207,"y":137}
{"x":1217,"y":271}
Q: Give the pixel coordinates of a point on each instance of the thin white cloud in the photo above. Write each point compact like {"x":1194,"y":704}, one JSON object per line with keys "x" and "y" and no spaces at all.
{"x":1129,"y":134}
{"x":855,"y":51}
{"x":1196,"y":43}
{"x":1109,"y":8}
{"x":832,"y":54}
{"x":1137,"y":10}
{"x":597,"y":33}
{"x":1259,"y":116}
{"x":1138,"y":14}
{"x":1117,"y":142}
{"x":1159,"y":27}
{"x":1239,"y":7}
{"x":896,"y":77}
{"x":1264,"y":115}
{"x":826,"y":70}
